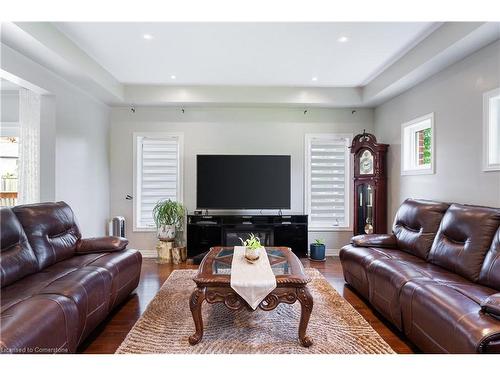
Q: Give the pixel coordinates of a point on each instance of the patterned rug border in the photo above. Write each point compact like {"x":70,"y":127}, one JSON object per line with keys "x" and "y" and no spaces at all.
{"x":155,"y":332}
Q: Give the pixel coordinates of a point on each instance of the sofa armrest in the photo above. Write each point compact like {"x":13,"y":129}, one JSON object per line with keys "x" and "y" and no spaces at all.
{"x":491,"y":305}
{"x":101,"y":244}
{"x":375,"y":240}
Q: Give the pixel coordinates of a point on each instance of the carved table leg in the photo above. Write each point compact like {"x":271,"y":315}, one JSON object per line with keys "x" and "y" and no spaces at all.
{"x":306,"y":303}
{"x":195,"y":302}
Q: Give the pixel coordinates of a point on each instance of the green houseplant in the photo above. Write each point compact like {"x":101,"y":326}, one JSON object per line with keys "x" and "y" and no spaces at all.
{"x":252,"y":246}
{"x":317,"y":250}
{"x":168,"y":217}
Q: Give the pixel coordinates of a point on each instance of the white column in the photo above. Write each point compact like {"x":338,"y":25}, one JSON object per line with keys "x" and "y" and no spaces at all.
{"x":29,"y":147}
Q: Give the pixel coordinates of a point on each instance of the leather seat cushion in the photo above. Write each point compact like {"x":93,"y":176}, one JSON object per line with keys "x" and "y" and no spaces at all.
{"x":33,"y":284}
{"x":125,"y":267}
{"x":49,"y":324}
{"x":490,"y":272}
{"x":120,"y":263}
{"x":90,"y":288}
{"x":17,"y":257}
{"x":96,"y":282}
{"x":387,"y":277}
{"x":464,"y":237}
{"x":446,"y":318}
{"x":356,"y":260}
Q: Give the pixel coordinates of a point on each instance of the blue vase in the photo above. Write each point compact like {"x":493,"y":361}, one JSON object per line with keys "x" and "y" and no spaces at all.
{"x":317,"y":252}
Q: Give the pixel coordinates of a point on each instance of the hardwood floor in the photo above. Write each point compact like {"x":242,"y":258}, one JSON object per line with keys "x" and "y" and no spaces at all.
{"x":109,"y":335}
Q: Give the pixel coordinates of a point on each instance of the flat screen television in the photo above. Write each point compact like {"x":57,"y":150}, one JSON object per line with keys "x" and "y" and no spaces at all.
{"x":243,"y":182}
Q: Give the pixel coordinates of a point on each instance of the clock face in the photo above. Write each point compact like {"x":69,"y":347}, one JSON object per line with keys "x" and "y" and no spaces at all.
{"x":366,"y":163}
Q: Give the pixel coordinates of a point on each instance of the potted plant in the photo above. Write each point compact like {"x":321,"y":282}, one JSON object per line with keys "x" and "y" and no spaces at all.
{"x":252,"y":247}
{"x":317,"y":250}
{"x":168,"y":216}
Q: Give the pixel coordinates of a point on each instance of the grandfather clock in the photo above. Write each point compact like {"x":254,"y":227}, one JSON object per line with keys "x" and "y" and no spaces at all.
{"x":370,"y":184}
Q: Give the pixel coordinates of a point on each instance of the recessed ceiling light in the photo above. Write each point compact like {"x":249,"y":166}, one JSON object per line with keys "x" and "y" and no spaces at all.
{"x":314,"y":78}
{"x":147,"y":36}
{"x":173,"y":77}
{"x":343,"y":39}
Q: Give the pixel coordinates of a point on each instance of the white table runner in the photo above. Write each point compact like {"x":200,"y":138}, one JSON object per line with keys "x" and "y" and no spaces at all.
{"x":253,"y":282}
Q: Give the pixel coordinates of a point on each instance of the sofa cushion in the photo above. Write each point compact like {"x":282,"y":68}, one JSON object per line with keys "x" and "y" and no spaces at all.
{"x":51,"y":230}
{"x":445,"y":318}
{"x":490,"y":271}
{"x":356,"y":260}
{"x":464,"y":237}
{"x":95,"y":283}
{"x":416,"y":224}
{"x":90,"y":288}
{"x":125,"y":268}
{"x":17,"y":258}
{"x":41,"y":324}
{"x":33,"y":284}
{"x":386,"y":278}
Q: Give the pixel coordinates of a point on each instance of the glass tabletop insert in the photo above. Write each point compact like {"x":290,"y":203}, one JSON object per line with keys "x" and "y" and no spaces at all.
{"x":277,"y":259}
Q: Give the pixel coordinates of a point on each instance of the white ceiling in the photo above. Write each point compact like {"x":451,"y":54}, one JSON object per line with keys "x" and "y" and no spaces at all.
{"x":246,"y":54}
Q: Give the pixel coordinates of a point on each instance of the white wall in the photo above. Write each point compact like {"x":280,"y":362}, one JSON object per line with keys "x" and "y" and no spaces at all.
{"x":219,"y":131}
{"x":9,"y":110}
{"x":74,"y":144}
{"x":455,"y":97}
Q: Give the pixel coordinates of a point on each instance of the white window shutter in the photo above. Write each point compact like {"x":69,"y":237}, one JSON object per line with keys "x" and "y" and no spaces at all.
{"x":158,"y":175}
{"x":327,"y":180}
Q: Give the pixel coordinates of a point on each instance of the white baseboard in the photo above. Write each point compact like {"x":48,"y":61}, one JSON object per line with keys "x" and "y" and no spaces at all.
{"x":149,"y":253}
{"x":332,"y":252}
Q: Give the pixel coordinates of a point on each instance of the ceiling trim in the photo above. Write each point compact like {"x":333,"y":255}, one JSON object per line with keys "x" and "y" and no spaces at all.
{"x":450,"y":42}
{"x":403,"y":52}
{"x":46,"y":45}
{"x":216,"y":95}
{"x":21,"y":83}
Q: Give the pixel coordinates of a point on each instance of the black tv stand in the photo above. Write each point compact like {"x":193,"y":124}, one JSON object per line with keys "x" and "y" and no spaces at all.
{"x":206,"y":231}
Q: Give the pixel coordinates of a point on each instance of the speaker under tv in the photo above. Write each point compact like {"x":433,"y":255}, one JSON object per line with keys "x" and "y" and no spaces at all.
{"x":243,"y":182}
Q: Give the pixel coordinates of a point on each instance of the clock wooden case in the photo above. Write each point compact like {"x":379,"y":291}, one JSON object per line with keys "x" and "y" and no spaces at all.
{"x":370,"y":184}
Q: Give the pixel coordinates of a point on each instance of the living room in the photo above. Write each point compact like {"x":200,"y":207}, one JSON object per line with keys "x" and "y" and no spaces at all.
{"x":300,"y":186}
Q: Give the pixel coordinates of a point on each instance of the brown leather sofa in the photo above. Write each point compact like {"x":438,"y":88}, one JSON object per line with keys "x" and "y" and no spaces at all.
{"x":436,"y":277}
{"x":56,"y":286}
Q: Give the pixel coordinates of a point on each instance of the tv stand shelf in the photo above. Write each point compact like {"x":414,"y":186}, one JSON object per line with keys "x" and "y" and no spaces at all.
{"x":206,"y":231}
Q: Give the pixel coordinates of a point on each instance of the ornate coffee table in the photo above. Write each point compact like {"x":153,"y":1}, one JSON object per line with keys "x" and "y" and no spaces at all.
{"x":213,"y":285}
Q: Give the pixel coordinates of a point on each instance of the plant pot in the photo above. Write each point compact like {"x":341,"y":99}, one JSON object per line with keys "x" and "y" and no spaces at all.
{"x":252,"y":254}
{"x":166,"y":232}
{"x":317,"y":252}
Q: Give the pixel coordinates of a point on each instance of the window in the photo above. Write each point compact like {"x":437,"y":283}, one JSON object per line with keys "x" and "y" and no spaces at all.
{"x":157,"y":174}
{"x":9,"y":167}
{"x":327,"y":181}
{"x":491,"y":130}
{"x":417,"y":142}
{"x":19,"y":145}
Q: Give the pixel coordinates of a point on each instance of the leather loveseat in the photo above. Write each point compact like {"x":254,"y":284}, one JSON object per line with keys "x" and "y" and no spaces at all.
{"x":436,"y":277}
{"x":56,"y":286}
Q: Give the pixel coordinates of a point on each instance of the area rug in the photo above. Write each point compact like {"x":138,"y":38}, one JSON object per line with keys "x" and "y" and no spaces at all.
{"x":335,"y":326}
